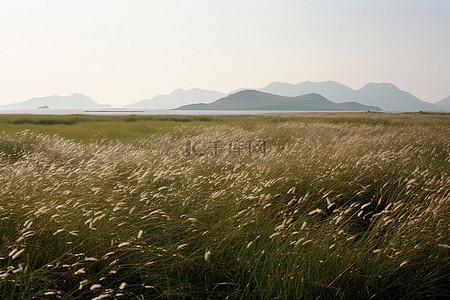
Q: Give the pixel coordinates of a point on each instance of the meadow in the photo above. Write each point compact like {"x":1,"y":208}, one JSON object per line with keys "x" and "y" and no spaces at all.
{"x":290,"y":206}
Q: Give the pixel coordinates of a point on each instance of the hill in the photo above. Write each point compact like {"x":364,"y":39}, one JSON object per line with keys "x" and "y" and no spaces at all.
{"x":444,"y":104}
{"x":390,"y":98}
{"x":177,"y":98}
{"x":256,"y":100}
{"x":384,"y":95}
{"x":75,"y":101}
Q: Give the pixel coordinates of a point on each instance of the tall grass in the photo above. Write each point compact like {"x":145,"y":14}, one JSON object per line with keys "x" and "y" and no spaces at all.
{"x":133,"y":219}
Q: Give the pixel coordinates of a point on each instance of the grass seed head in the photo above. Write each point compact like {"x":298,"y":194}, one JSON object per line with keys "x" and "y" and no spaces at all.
{"x":207,"y":256}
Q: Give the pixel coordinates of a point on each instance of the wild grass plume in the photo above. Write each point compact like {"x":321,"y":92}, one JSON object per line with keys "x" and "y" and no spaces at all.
{"x":88,"y":214}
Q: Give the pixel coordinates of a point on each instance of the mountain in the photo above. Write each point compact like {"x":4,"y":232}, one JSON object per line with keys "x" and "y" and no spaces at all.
{"x":256,"y":100}
{"x":177,"y":98}
{"x":331,"y":90}
{"x":444,"y":104}
{"x":75,"y":101}
{"x":384,"y":95}
{"x":389,"y":97}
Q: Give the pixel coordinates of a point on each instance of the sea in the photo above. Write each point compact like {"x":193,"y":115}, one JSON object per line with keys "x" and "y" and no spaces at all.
{"x":138,"y":112}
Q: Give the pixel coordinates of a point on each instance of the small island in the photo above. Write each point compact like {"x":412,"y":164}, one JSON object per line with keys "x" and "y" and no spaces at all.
{"x":43,"y":107}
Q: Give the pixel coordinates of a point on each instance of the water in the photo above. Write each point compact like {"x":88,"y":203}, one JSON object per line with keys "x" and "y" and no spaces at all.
{"x":119,"y":111}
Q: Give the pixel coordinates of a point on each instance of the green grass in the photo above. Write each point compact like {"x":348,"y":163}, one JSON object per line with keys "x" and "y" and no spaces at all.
{"x":107,"y":200}
{"x":86,"y":128}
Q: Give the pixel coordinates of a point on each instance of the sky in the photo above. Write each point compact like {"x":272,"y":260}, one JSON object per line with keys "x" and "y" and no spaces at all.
{"x":121,"y":51}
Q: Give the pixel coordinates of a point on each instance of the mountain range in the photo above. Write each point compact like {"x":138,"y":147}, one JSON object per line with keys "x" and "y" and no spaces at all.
{"x":383,"y":95}
{"x":75,"y":101}
{"x":256,"y":100}
{"x":177,"y":98}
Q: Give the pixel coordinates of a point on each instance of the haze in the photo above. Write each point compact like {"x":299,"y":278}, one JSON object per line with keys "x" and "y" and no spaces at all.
{"x":119,"y":52}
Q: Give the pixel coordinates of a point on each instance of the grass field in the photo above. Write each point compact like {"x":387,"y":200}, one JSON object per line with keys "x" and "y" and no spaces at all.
{"x":96,"y":207}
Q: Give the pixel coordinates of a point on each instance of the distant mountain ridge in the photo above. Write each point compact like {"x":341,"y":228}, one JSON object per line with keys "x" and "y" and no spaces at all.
{"x":444,"y":103}
{"x":384,"y":95}
{"x":74,"y":101}
{"x":177,"y":98}
{"x":257,"y":100}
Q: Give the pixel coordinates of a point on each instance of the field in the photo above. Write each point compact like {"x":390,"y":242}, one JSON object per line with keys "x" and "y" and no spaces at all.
{"x":292,"y":206}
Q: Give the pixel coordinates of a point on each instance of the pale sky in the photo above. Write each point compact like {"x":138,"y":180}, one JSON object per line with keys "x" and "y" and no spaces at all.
{"x":121,"y":51}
